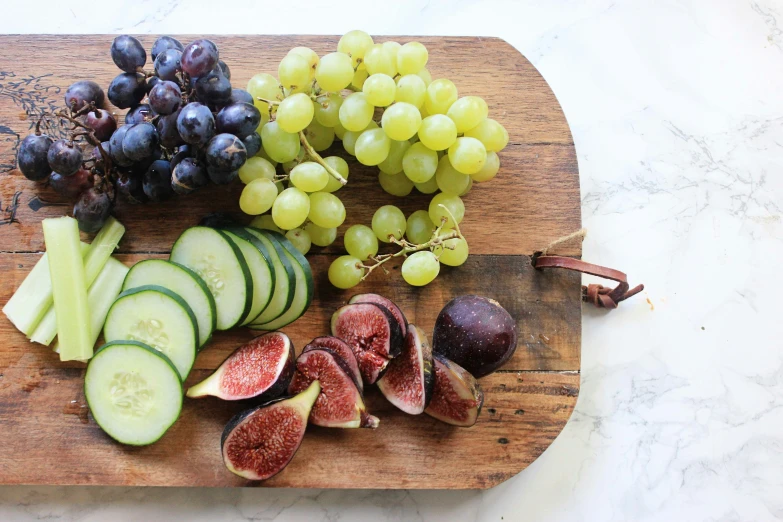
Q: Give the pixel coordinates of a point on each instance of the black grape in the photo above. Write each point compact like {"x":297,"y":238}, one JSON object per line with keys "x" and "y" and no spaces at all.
{"x":32,"y":157}
{"x":115,"y":147}
{"x":140,"y":141}
{"x":239,"y":119}
{"x":167,"y":131}
{"x":163,"y":44}
{"x":240,"y":96}
{"x":213,"y":88}
{"x":199,"y":57}
{"x":252,"y":143}
{"x":157,"y":181}
{"x":165,"y":98}
{"x":152,"y":81}
{"x":222,"y":177}
{"x":168,"y":64}
{"x":196,"y":124}
{"x":83,"y":93}
{"x":101,"y":122}
{"x":71,"y":186}
{"x":225,"y":152}
{"x":139,"y":114}
{"x":92,"y":209}
{"x":131,"y":188}
{"x":127,"y":89}
{"x":64,"y":157}
{"x":188,"y":175}
{"x":128,"y":53}
{"x":225,"y":69}
{"x":182,"y":152}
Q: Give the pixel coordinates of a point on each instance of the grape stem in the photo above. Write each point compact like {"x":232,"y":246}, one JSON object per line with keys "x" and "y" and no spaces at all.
{"x":265,"y":100}
{"x":318,"y":159}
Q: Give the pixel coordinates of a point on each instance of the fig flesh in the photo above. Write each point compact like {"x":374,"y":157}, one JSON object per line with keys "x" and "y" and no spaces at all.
{"x":457,"y":397}
{"x":373,"y":334}
{"x":339,"y":405}
{"x":258,"y":443}
{"x":260,"y":369}
{"x":388,"y":304}
{"x":409,"y":379}
{"x":341,"y":350}
{"x":476,"y":333}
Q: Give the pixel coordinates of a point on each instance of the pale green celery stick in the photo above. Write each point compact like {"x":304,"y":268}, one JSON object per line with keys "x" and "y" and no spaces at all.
{"x":100,"y":250}
{"x":69,"y":288}
{"x":29,"y":303}
{"x":101,"y":295}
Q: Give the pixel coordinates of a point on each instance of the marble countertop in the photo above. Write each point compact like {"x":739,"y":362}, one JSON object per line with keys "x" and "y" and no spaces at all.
{"x":677,"y":116}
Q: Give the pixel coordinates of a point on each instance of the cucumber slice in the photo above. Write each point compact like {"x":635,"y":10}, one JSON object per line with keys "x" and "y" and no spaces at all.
{"x":260,"y":270}
{"x":284,"y":278}
{"x":159,"y":318}
{"x":220,"y":263}
{"x":133,"y":391}
{"x":182,"y":281}
{"x":303,"y":293}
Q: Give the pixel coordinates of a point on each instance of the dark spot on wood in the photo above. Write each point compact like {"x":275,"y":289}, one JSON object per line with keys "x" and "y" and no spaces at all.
{"x":491,"y":411}
{"x":30,"y":386}
{"x":519,"y":412}
{"x":503,"y":440}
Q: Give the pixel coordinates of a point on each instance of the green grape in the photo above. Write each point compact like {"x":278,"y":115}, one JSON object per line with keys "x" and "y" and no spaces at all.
{"x":300,"y":239}
{"x":341,"y":166}
{"x":423,"y":112}
{"x":279,"y":145}
{"x":339,"y":131}
{"x":334,"y":72}
{"x":454,"y":252}
{"x":449,"y":180}
{"x":392,"y":48}
{"x":420,"y":268}
{"x":453,"y":203}
{"x":355,"y":44}
{"x":393,"y":162}
{"x":380,"y":61}
{"x":437,"y":132}
{"x":467,"y":112}
{"x":372,"y":147}
{"x":425,"y":75}
{"x":319,"y":137}
{"x":468,"y":188}
{"x":321,"y":236}
{"x":326,"y":210}
{"x":255,"y":168}
{"x":440,"y":95}
{"x":388,"y":221}
{"x":295,"y":112}
{"x":257,"y":196}
{"x":309,"y":176}
{"x":346,"y":272}
{"x":294,"y":71}
{"x":411,"y":58}
{"x":411,"y":89}
{"x":419,"y":227}
{"x":350,"y":137}
{"x":395,"y":184}
{"x":467,"y":155}
{"x":419,"y":163}
{"x":288,"y":165}
{"x":488,"y":171}
{"x":309,"y":55}
{"x":290,"y":209}
{"x":359,"y":77}
{"x":265,"y":222}
{"x":360,"y":242}
{"x":428,"y":187}
{"x":263,"y":154}
{"x":492,"y":134}
{"x":327,"y":109}
{"x":401,"y":121}
{"x":356,"y":112}
{"x":380,"y":90}
{"x":265,"y":86}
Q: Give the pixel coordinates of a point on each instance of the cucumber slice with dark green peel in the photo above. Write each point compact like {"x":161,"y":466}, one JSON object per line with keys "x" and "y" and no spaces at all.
{"x":285,"y":278}
{"x":182,"y":281}
{"x":260,"y":270}
{"x":159,"y":318}
{"x":303,"y":293}
{"x":134,"y":392}
{"x":220,"y":263}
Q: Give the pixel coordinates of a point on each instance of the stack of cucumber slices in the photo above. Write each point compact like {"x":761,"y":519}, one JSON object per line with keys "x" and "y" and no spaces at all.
{"x":215,"y":279}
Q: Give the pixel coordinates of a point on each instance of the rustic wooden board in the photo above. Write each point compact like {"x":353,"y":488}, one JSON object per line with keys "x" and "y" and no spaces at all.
{"x":49,"y":438}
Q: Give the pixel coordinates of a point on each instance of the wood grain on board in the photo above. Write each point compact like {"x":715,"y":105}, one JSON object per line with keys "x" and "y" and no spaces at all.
{"x":50,"y":438}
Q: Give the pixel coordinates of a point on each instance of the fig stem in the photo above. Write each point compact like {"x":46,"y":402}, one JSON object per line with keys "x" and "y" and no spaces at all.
{"x":318,"y":159}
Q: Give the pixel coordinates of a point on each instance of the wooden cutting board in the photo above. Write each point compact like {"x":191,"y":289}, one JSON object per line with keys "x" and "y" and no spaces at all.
{"x":48,"y":435}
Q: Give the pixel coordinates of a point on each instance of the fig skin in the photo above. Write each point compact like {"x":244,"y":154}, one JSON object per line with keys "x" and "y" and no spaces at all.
{"x":416,"y":357}
{"x":476,"y":333}
{"x":386,"y":303}
{"x":455,"y":390}
{"x":343,"y":352}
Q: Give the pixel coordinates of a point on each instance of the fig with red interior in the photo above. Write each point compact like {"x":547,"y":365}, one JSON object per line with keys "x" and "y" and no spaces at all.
{"x":457,"y":397}
{"x":388,"y":304}
{"x":373,"y":334}
{"x":341,"y":350}
{"x":409,"y":380}
{"x":476,"y":333}
{"x":258,"y":443}
{"x":260,"y":369}
{"x":340,"y":404}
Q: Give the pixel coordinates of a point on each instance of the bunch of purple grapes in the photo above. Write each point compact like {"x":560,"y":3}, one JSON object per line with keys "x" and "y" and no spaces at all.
{"x":185,"y":127}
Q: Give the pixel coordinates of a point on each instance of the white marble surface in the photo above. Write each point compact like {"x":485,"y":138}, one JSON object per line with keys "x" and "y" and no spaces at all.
{"x":677,"y":113}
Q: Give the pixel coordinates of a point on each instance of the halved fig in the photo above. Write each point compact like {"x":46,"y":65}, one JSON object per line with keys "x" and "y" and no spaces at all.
{"x":260,"y":369}
{"x":339,"y":404}
{"x":341,"y":350}
{"x":373,"y":334}
{"x":457,"y":397}
{"x":386,"y":303}
{"x":260,"y":442}
{"x":409,"y":380}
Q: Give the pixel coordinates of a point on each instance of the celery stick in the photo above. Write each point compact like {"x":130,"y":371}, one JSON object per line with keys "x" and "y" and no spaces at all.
{"x":101,"y":295}
{"x":100,"y":250}
{"x":69,"y":288}
{"x":29,"y":303}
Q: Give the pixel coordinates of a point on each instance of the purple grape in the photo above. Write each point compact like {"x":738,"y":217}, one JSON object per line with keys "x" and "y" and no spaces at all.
{"x":240,"y":119}
{"x":152,"y":81}
{"x":83,"y":93}
{"x":199,"y":57}
{"x":127,"y":90}
{"x":168,"y":64}
{"x":115,"y":147}
{"x":64,"y":157}
{"x":225,"y":152}
{"x":195,"y":124}
{"x":157,"y":181}
{"x":252,"y":143}
{"x":92,"y":209}
{"x":101,"y":122}
{"x":213,"y":88}
{"x":71,"y":186}
{"x":164,"y":43}
{"x":32,"y":157}
{"x":128,"y":53}
{"x":139,"y":114}
{"x":240,"y":96}
{"x":222,"y":177}
{"x":225,"y":69}
{"x":188,"y":175}
{"x":167,"y":130}
{"x":131,"y":188}
{"x":182,"y":152}
{"x":140,"y":141}
{"x":165,"y":98}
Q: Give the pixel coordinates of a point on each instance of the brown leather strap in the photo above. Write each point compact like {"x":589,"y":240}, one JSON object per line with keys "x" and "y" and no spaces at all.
{"x":599,"y":295}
